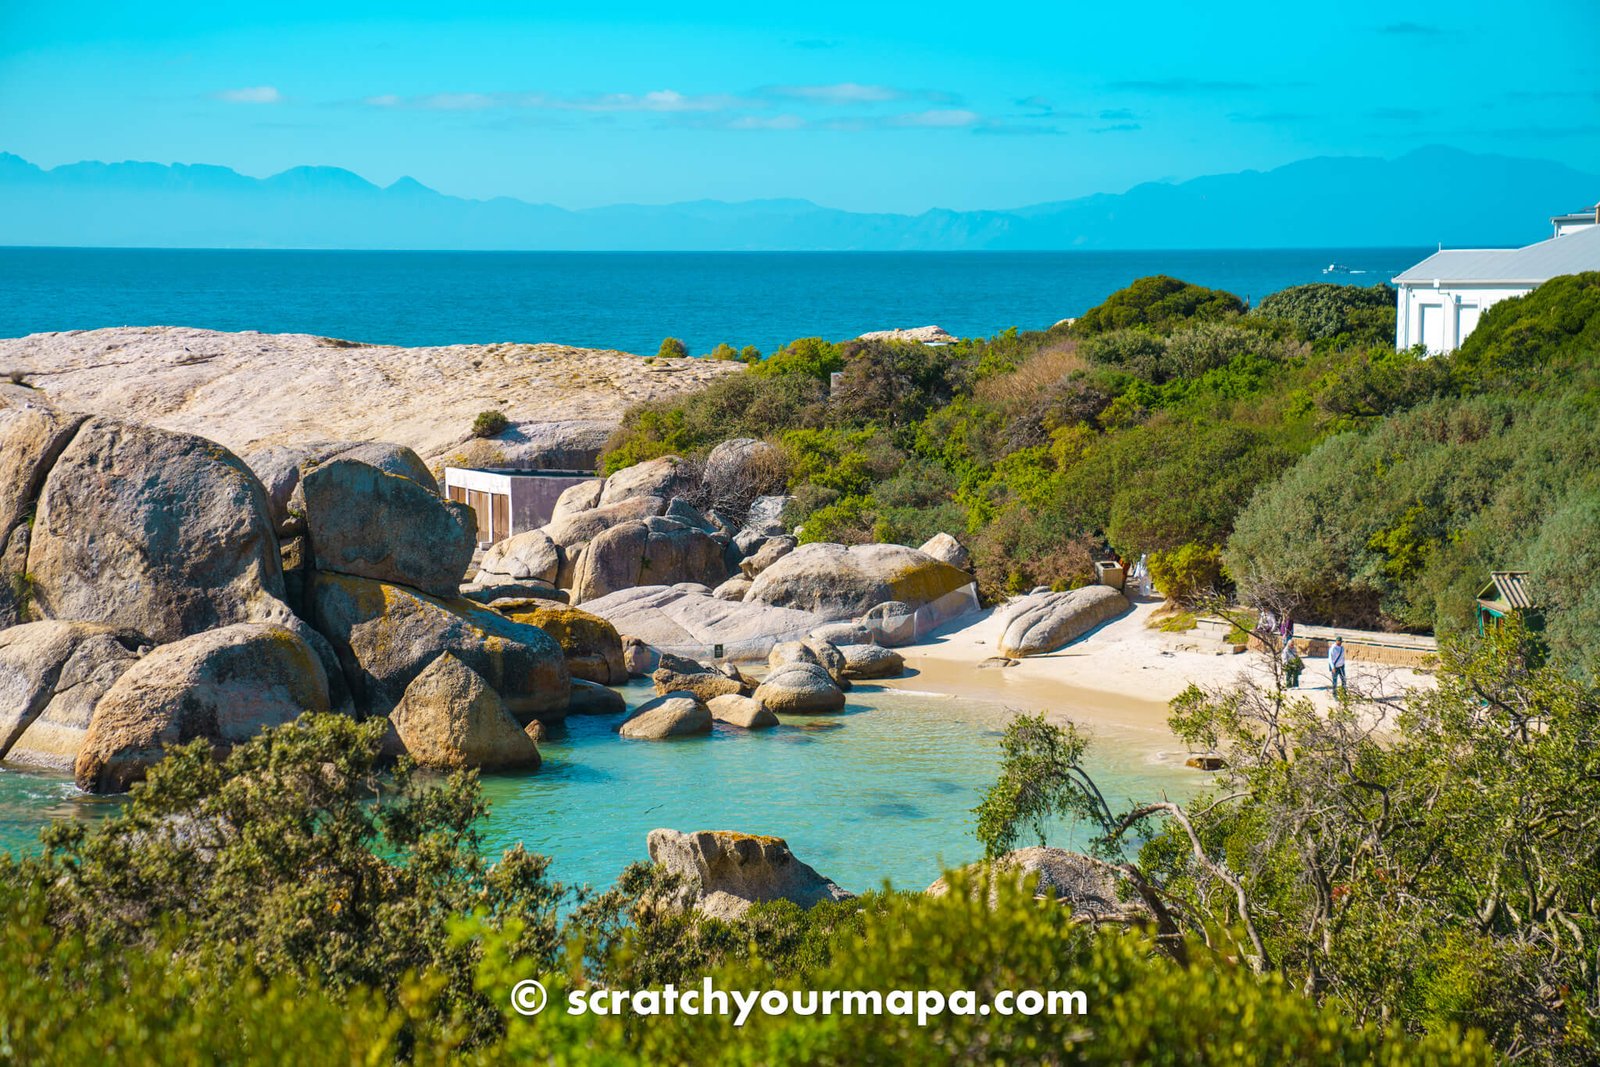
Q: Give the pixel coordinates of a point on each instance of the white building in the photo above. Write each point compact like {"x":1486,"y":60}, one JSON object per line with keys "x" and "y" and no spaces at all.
{"x":508,"y":502}
{"x":1442,"y":297}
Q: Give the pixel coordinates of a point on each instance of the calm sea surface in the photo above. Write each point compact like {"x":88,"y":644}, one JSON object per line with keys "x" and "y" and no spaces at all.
{"x":616,"y":300}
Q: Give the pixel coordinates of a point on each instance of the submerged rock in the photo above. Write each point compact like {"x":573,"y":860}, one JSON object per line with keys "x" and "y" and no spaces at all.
{"x":591,"y":698}
{"x":671,"y":715}
{"x":726,"y":872}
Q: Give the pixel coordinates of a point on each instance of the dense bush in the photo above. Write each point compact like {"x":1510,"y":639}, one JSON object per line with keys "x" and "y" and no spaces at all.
{"x":489,"y":424}
{"x":1321,"y":312}
{"x":1557,"y":325}
{"x":1158,"y":302}
{"x":672,"y":348}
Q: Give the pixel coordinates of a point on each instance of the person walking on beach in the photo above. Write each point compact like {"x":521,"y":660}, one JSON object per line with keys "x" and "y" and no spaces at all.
{"x":1292,"y":665}
{"x":1336,"y":666}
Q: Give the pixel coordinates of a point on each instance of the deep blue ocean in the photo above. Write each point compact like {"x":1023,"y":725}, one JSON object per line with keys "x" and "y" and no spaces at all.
{"x":619,"y":300}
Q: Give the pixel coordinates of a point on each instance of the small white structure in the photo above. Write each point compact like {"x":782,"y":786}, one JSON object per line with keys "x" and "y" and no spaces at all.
{"x":1442,"y":297}
{"x":508,"y":502}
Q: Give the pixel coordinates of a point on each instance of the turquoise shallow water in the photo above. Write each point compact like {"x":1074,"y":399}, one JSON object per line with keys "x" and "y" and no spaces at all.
{"x":881,"y":791}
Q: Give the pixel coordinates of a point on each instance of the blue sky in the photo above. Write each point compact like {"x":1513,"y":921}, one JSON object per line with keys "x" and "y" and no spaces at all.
{"x":867,"y":106}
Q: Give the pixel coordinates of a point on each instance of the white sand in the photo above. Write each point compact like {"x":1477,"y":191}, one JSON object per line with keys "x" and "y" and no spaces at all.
{"x":1121,"y":675}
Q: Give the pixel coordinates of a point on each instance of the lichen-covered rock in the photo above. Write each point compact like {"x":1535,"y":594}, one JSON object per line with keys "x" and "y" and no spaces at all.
{"x":52,"y":674}
{"x":162,"y":533}
{"x":279,"y":467}
{"x":726,"y":872}
{"x":703,"y":684}
{"x":1090,"y":888}
{"x":367,"y":522}
{"x":385,"y":635}
{"x":942,"y":546}
{"x":871,"y":661}
{"x":224,"y":685}
{"x":661,"y":477}
{"x":527,"y":556}
{"x":841,"y":583}
{"x":1043,"y":622}
{"x":742,"y":711}
{"x":591,"y":645}
{"x":32,"y":437}
{"x":591,"y":698}
{"x":670,"y":715}
{"x":513,"y":592}
{"x":799,"y":689}
{"x":770,"y":551}
{"x":450,"y":718}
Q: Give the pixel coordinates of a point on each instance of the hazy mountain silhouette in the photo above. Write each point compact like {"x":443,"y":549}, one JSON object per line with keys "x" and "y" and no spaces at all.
{"x":1427,"y":196}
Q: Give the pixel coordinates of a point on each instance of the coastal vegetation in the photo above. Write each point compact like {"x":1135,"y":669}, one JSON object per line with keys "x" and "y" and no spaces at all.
{"x":1284,"y":452}
{"x":489,"y":424}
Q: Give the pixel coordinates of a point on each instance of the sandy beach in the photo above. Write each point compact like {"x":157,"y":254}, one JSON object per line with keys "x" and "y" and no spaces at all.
{"x":1121,"y":675}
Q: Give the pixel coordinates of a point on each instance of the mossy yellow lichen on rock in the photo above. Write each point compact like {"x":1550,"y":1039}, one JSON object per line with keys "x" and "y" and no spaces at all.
{"x":591,"y":645}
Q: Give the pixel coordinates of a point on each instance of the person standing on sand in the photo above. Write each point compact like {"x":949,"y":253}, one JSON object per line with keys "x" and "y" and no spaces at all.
{"x":1292,"y":665}
{"x":1336,"y":666}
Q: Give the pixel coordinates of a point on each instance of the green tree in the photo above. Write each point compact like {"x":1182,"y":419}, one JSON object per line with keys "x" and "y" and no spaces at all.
{"x":1157,"y":302}
{"x":672,"y":348}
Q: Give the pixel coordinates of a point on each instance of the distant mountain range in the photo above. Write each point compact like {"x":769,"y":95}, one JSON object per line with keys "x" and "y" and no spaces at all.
{"x":1427,"y":196}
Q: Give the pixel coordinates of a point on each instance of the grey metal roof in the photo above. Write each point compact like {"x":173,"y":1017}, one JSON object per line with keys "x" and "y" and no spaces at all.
{"x":1575,"y":252}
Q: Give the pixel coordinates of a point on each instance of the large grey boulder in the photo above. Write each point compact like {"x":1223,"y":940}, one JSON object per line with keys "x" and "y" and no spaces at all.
{"x":661,"y":477}
{"x":367,"y":522}
{"x":673,"y":617}
{"x":162,"y":533}
{"x":1043,"y":622}
{"x":741,"y":711}
{"x":799,"y":689}
{"x":527,"y":556}
{"x":385,"y":635}
{"x":280,"y":468}
{"x":669,"y":715}
{"x":450,"y":718}
{"x":703,"y":684}
{"x":576,"y":498}
{"x":763,"y":519}
{"x":52,"y":674}
{"x":32,"y":437}
{"x":871,"y":661}
{"x":1089,"y":887}
{"x":841,"y":583}
{"x":727,"y":872}
{"x":652,"y":551}
{"x":733,"y":589}
{"x":224,"y":685}
{"x":591,"y":698}
{"x":943,"y":547}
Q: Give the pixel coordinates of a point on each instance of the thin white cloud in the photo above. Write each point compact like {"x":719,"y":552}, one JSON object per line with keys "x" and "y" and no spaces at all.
{"x":842,"y":93}
{"x":939,"y":118}
{"x":253,"y":94}
{"x":659,"y":100}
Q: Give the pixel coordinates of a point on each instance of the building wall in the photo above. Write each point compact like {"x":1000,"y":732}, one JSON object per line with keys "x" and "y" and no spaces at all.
{"x":527,"y":499}
{"x":1441,"y":317}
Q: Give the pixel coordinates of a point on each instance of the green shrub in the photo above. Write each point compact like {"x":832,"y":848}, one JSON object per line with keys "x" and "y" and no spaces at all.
{"x":1187,"y":573}
{"x":724,"y":352}
{"x":809,"y":357}
{"x":489,"y":424}
{"x":1323,"y":311}
{"x":1556,"y":325}
{"x":672,"y":348}
{"x":1158,"y":302}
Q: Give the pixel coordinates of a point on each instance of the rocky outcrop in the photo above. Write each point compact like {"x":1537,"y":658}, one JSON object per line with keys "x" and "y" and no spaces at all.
{"x":763,"y":519}
{"x":791,"y":652}
{"x":386,"y":635}
{"x":591,"y":698}
{"x":280,"y":468}
{"x":799,"y":689}
{"x":591,"y":645}
{"x":871,"y":661}
{"x":1043,"y":622}
{"x":842,"y":633}
{"x":770,"y":551}
{"x":692,"y":678}
{"x":52,"y":675}
{"x":576,"y":498}
{"x":32,"y":437}
{"x":925,"y":335}
{"x":733,"y":589}
{"x":670,"y":715}
{"x":839,"y":582}
{"x":891,"y":623}
{"x":727,"y":872}
{"x":1089,"y":887}
{"x":638,"y":657}
{"x":663,"y":477}
{"x":655,"y":550}
{"x":529,"y":556}
{"x":224,"y":685}
{"x":450,"y":718}
{"x":249,"y":390}
{"x":946,"y":549}
{"x":741,"y":711}
{"x":680,"y":617}
{"x":158,"y":532}
{"x":369,"y":523}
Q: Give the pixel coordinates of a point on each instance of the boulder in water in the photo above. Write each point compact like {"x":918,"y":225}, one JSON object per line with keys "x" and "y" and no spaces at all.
{"x":726,"y":872}
{"x":670,"y":715}
{"x":449,"y":718}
